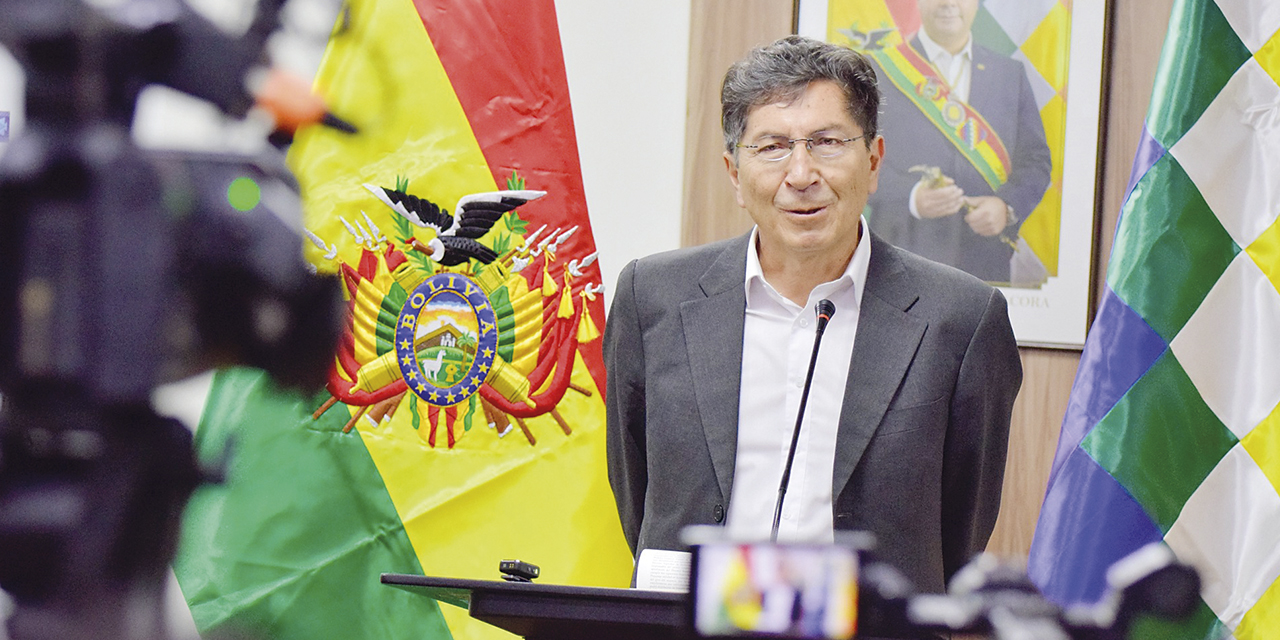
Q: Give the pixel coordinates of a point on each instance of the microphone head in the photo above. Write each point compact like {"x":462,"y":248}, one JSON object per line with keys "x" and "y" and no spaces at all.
{"x":825,"y":309}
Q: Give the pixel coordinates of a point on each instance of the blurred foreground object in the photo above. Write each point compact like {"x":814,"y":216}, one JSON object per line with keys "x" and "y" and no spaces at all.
{"x":830,"y":592}
{"x":124,"y":269}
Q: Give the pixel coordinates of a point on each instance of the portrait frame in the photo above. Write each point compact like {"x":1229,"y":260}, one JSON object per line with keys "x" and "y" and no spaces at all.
{"x":1056,"y":313}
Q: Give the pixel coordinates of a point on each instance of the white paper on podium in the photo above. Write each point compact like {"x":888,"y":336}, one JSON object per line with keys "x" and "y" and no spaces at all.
{"x":663,"y":570}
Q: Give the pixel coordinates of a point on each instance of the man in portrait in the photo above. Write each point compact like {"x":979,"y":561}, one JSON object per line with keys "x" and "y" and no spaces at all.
{"x":969,"y":160}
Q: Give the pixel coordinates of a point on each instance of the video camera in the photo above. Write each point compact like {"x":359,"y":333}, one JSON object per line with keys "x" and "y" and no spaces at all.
{"x":829,"y":592}
{"x":123,"y":269}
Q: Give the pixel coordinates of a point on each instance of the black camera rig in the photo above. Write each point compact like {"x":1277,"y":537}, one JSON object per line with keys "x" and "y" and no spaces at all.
{"x":123,"y":269}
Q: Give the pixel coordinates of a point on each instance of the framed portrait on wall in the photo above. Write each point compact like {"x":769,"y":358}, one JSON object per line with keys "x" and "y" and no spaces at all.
{"x":991,"y":121}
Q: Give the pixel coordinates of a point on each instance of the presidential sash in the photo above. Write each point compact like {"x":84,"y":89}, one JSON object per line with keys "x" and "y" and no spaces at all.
{"x":959,"y":122}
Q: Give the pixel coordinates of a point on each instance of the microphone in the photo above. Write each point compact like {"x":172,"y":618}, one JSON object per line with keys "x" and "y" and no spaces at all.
{"x":824,"y":309}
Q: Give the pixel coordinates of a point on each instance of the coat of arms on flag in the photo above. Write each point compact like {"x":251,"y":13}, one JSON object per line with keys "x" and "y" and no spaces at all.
{"x":453,"y":323}
{"x":463,"y":421}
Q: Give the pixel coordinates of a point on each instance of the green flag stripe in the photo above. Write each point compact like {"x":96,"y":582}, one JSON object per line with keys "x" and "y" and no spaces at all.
{"x":500,"y":300}
{"x":1169,"y":250}
{"x":1160,"y":441}
{"x":310,"y":520}
{"x":388,"y":316}
{"x":1191,"y":74}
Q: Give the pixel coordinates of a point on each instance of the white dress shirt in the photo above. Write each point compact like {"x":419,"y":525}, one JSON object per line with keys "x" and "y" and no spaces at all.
{"x":777,"y":344}
{"x":957,"y":70}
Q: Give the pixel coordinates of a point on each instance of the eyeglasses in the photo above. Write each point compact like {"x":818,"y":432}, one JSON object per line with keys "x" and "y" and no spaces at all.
{"x":824,"y":147}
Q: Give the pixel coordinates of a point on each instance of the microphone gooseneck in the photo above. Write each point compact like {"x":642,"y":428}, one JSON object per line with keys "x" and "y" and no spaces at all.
{"x":825,"y":309}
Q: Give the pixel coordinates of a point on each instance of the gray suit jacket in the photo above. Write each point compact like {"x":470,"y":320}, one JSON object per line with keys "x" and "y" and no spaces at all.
{"x":923,"y":430}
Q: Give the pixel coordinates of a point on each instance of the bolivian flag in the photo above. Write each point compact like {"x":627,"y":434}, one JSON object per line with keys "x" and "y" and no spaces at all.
{"x":463,"y":421}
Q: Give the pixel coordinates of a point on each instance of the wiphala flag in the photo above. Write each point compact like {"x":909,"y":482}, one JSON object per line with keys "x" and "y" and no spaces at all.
{"x":1172,"y":433}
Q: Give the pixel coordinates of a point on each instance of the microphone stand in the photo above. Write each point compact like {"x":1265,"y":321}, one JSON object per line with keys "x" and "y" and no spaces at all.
{"x":824,"y":309}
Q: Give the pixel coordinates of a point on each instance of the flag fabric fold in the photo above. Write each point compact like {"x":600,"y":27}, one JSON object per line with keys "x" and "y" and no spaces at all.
{"x":463,"y":422}
{"x":1173,"y":425}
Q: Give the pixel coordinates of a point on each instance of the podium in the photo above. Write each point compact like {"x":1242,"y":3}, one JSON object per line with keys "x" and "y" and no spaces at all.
{"x":558,"y":612}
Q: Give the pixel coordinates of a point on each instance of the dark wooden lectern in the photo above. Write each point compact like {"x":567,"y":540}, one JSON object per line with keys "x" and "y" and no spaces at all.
{"x":557,"y":612}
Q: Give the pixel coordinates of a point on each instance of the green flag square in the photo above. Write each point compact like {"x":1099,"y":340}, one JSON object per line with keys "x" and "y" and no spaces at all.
{"x":1191,"y":74}
{"x":1202,"y":624}
{"x":1169,"y":250}
{"x":1160,"y":440}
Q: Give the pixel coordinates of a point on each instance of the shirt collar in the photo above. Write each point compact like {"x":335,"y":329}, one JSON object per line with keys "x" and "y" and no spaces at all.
{"x":855,"y":273}
{"x":934,"y":51}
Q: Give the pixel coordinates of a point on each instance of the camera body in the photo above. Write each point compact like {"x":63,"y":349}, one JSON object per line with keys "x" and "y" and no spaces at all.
{"x":126,"y":268}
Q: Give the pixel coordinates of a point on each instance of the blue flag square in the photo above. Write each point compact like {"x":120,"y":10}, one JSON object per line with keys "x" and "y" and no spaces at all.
{"x":4,"y":126}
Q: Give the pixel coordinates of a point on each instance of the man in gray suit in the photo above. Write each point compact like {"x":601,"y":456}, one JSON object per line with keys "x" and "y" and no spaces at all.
{"x":907,"y":422}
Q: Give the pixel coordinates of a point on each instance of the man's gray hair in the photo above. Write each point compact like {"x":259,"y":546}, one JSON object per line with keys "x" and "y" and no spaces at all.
{"x":781,"y":71}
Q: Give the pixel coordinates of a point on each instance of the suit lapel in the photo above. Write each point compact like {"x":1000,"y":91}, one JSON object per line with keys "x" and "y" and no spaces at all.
{"x":886,"y":343}
{"x":713,"y":337}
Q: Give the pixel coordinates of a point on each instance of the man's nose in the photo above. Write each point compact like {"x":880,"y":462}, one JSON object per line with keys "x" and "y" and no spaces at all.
{"x":801,"y":169}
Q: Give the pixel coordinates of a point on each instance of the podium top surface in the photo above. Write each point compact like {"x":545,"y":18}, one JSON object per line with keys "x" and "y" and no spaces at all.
{"x":557,"y":612}
{"x":458,"y":591}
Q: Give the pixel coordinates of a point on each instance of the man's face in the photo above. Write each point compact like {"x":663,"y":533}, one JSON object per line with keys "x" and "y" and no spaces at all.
{"x":947,"y":19}
{"x":805,"y":205}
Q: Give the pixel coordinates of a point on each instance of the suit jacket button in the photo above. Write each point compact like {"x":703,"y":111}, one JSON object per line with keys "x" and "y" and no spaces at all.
{"x":719,"y":514}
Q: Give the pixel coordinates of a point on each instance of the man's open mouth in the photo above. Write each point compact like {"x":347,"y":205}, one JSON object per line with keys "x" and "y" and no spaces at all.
{"x":805,"y":211}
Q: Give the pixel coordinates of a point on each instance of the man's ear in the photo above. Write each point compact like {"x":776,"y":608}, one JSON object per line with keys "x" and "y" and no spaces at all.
{"x":877,"y":161}
{"x":731,"y":165}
